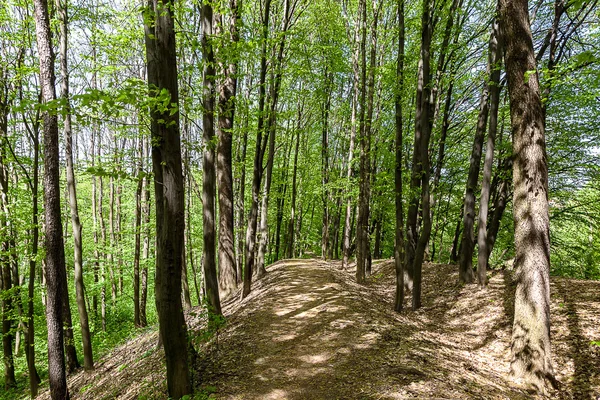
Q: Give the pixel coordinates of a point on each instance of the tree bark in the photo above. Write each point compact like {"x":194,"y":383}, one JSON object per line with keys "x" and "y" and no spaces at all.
{"x":208,"y":163}
{"x":399,"y":228}
{"x":495,"y":57}
{"x":531,"y":354}
{"x":56,"y":276}
{"x":168,"y":184}
{"x":422,"y":133}
{"x":362,"y":227}
{"x":467,"y":245}
{"x":88,"y":357}
{"x":258,"y":159}
{"x":138,"y":234}
{"x":226,"y":108}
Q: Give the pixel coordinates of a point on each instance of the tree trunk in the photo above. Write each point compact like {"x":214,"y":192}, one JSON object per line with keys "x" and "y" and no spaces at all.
{"x":226,"y":104}
{"x":362,"y":227}
{"x":258,"y":159}
{"x":325,"y":162}
{"x":146,"y":249}
{"x":495,"y":57}
{"x":34,"y":378}
{"x":467,"y":244}
{"x":88,"y":357}
{"x":292,"y":222}
{"x":56,"y":276}
{"x":422,"y":135}
{"x":241,"y":195}
{"x":168,"y":185}
{"x":271,"y":129}
{"x":138,"y":234}
{"x":356,"y":76}
{"x":208,"y":163}
{"x":531,"y":356}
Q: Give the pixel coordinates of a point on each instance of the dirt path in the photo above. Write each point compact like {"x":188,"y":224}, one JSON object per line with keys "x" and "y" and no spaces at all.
{"x":309,"y":332}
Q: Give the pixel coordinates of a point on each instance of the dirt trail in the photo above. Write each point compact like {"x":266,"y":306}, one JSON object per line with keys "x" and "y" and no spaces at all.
{"x":308,"y":331}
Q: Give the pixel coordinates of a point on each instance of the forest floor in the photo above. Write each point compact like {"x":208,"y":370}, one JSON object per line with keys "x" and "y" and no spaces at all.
{"x":307,"y":331}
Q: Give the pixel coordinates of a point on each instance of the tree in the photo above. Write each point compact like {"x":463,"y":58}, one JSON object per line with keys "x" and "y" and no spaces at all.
{"x":168,"y":187}
{"x":531,"y":357}
{"x":56,"y":277}
{"x":88,"y":356}
{"x":399,"y":227}
{"x":226,"y":106}
{"x":208,"y":162}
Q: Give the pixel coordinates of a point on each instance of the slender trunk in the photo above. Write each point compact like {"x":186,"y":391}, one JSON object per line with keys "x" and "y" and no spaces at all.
{"x":241,"y":195}
{"x":271,"y":127}
{"x":88,"y":360}
{"x":146,"y":207}
{"x":422,"y":123}
{"x":495,"y":57}
{"x":467,"y":243}
{"x":189,"y":245}
{"x":138,"y":234}
{"x":34,"y":379}
{"x":325,"y":162}
{"x":56,"y":277}
{"x":292,"y":222}
{"x":112,"y":236}
{"x":258,"y":159}
{"x":531,"y":352}
{"x":348,"y":224}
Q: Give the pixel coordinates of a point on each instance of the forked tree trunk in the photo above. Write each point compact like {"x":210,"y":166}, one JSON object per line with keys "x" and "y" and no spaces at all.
{"x":56,"y":276}
{"x":531,"y":355}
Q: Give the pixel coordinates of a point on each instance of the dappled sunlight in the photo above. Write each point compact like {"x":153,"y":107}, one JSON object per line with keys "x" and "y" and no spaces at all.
{"x":308,"y":331}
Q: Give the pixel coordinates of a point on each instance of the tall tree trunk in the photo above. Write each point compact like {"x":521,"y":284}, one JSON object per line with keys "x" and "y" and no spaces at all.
{"x":34,"y":378}
{"x":146,"y":207}
{"x":362,"y":227}
{"x":258,"y":159}
{"x":242,"y":191}
{"x":328,"y":77}
{"x":356,"y":81}
{"x":208,"y":162}
{"x":6,"y":283}
{"x":422,"y":135}
{"x":168,"y":185}
{"x":271,"y":128}
{"x":292,"y":222}
{"x":226,"y":107}
{"x":468,"y":241}
{"x":138,"y":234}
{"x":531,"y":353}
{"x":495,"y":57}
{"x":88,"y":356}
{"x":56,"y":276}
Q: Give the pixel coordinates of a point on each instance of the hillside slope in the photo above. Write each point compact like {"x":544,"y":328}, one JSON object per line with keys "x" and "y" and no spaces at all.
{"x":308,"y":331}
